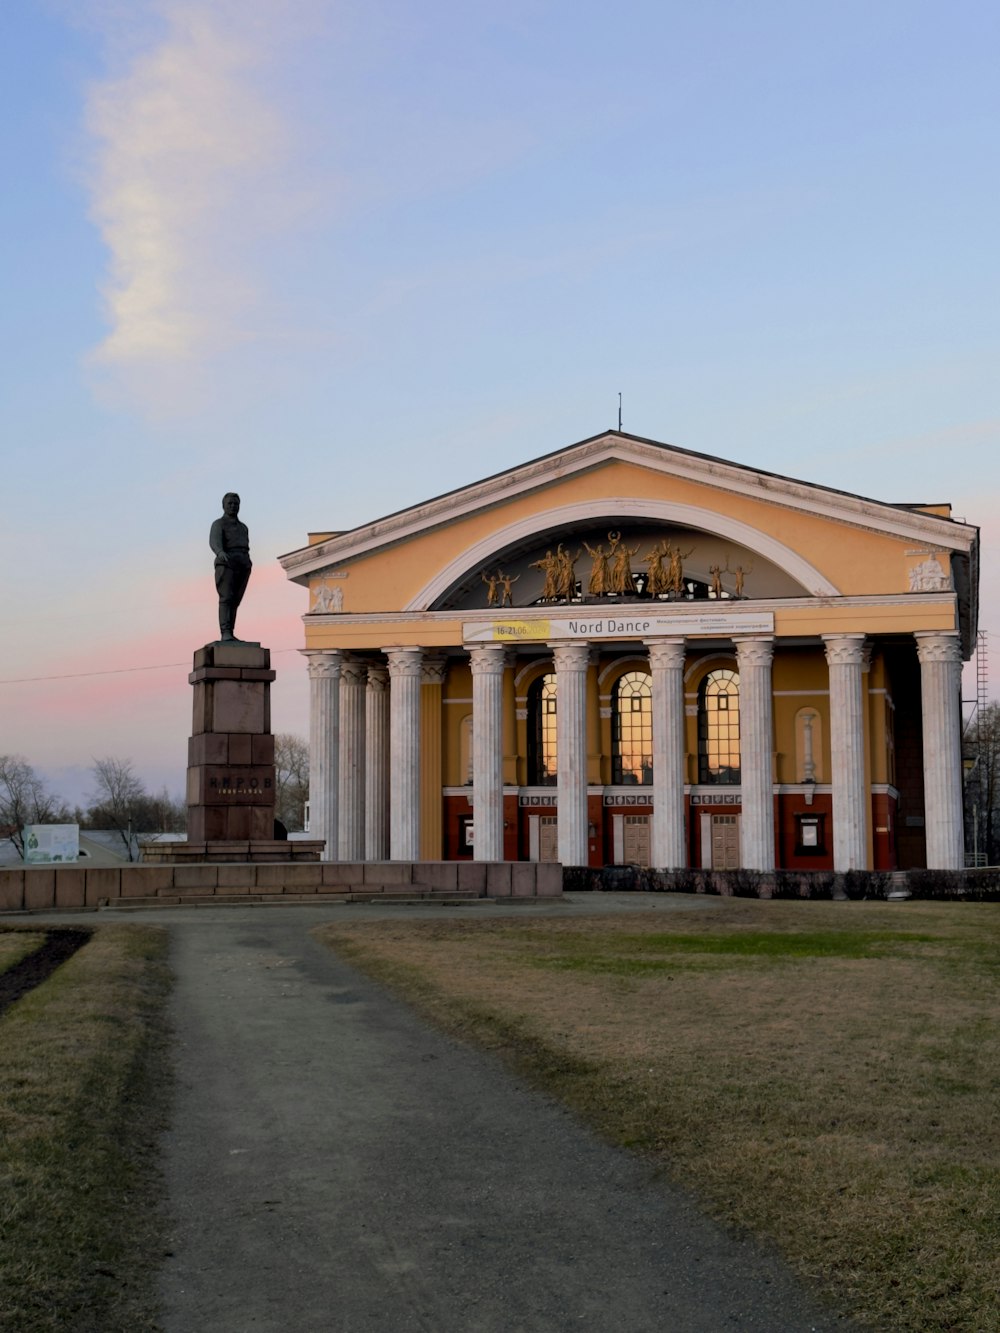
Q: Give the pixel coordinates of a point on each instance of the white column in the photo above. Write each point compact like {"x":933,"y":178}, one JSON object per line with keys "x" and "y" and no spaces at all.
{"x":668,"y":850}
{"x":405,"y":674}
{"x":351,"y":842}
{"x":377,"y":764}
{"x":324,"y":744}
{"x":487,"y":751}
{"x":435,"y":668}
{"x":571,"y":661}
{"x":940,"y":695}
{"x":756,"y":745}
{"x":845,"y":655}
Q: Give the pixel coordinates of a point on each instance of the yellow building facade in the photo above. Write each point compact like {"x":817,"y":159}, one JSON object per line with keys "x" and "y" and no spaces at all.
{"x":628,"y":652}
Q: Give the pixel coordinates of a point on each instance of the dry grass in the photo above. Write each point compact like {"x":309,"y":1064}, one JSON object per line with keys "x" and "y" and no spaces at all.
{"x":825,"y":1075}
{"x":17,"y":944}
{"x":81,"y":1098}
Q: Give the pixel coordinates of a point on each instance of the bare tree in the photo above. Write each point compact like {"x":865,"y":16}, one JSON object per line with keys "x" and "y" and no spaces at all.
{"x":24,"y":800}
{"x":291,"y":777}
{"x":167,"y":814}
{"x":119,"y":800}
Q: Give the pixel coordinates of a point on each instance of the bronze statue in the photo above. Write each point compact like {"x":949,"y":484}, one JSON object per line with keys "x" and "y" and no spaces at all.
{"x":622,"y":581}
{"x":675,"y":575}
{"x":739,"y":574}
{"x":491,"y":588}
{"x":715,"y":584}
{"x":566,"y":573}
{"x":505,"y":581}
{"x":550,"y":566}
{"x":659,"y":579}
{"x":230,"y":541}
{"x":600,"y":577}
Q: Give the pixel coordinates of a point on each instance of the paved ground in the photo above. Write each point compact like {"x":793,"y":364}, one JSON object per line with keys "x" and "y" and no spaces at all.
{"x":335,"y":1165}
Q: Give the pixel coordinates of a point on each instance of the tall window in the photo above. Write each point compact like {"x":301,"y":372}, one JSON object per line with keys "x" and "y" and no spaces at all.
{"x":719,"y":728}
{"x":632,"y":729}
{"x":542,"y":768}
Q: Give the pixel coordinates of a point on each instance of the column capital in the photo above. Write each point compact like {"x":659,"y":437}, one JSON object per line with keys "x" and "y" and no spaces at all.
{"x":755,"y":652}
{"x":325,"y":664}
{"x":488,"y":659}
{"x":353,"y":670}
{"x":378,"y":677}
{"x":666,"y":653}
{"x":405,"y":661}
{"x":570,"y":656}
{"x":933,"y":646}
{"x":846,"y":649}
{"x":433,"y":669}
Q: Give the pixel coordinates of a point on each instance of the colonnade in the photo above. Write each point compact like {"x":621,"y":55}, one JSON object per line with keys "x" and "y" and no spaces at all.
{"x":365,"y":750}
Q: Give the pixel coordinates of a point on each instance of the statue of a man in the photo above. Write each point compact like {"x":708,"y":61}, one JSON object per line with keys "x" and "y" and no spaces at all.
{"x":230,"y":541}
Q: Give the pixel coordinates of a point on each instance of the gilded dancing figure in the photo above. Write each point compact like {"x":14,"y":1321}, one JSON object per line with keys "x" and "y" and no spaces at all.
{"x":505,"y":584}
{"x":549,"y":565}
{"x":566,"y":578}
{"x":622,"y":581}
{"x":675,"y":574}
{"x":600,"y":575}
{"x":659,"y":581}
{"x":491,"y":589}
{"x":739,"y":574}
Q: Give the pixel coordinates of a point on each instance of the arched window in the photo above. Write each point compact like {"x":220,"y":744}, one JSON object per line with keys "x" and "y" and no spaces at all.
{"x":542,"y":769}
{"x":719,"y":728}
{"x":632,"y":729}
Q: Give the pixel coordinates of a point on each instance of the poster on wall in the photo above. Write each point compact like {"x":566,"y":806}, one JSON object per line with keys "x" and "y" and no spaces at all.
{"x":44,"y":843}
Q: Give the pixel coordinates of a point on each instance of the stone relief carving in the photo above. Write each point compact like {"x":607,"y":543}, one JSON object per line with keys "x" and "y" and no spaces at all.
{"x":930,"y":576}
{"x":328,"y":599}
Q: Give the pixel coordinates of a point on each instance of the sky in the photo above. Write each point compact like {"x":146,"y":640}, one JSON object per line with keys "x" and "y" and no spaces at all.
{"x":342,"y":257}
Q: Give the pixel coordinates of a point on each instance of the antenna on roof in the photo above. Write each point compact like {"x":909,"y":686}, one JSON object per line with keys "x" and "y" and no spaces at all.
{"x":619,"y":411}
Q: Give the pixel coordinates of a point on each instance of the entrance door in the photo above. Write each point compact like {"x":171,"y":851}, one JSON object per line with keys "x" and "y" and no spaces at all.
{"x":725,"y":842}
{"x":548,"y":838}
{"x":637,"y":839}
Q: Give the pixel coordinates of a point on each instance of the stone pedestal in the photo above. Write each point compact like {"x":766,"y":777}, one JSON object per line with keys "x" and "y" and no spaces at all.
{"x":230,"y":777}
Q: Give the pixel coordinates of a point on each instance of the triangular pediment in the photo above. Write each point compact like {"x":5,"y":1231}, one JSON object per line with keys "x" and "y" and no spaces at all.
{"x":745,"y":502}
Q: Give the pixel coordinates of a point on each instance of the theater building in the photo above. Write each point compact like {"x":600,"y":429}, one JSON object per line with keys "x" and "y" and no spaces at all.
{"x":627,"y":652}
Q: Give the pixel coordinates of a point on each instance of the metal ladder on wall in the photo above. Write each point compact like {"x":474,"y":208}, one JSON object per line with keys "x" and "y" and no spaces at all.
{"x":975,"y":743}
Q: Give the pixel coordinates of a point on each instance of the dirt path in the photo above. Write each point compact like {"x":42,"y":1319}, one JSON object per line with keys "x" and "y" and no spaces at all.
{"x":335,"y":1165}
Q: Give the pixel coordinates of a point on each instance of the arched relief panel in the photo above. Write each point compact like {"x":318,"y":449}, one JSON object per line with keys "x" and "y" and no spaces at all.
{"x":719,"y":527}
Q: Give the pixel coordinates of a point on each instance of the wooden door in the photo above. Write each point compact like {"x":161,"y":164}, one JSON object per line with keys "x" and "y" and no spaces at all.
{"x":725,"y":842}
{"x":637,"y":840}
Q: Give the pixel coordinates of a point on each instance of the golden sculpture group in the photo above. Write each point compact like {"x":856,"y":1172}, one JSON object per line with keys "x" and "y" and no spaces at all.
{"x":611,"y":573}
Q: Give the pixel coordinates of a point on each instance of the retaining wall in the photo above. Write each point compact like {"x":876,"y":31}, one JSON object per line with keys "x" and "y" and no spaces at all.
{"x":72,"y":888}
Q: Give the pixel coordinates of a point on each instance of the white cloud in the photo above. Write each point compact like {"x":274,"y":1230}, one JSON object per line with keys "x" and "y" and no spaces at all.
{"x":187,"y":143}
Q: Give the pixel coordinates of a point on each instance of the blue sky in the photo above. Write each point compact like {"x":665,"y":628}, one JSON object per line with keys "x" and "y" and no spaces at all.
{"x":343,"y":257}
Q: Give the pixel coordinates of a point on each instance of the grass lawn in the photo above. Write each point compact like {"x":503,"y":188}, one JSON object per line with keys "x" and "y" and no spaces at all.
{"x":82,"y":1097}
{"x":17,"y":944}
{"x":824,"y":1075}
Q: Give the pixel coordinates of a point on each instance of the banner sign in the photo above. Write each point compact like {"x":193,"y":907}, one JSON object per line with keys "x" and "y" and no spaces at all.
{"x":44,"y":843}
{"x":634,"y":624}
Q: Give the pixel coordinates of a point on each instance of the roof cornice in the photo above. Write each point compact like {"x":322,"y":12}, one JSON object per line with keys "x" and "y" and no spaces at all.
{"x":612,"y":446}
